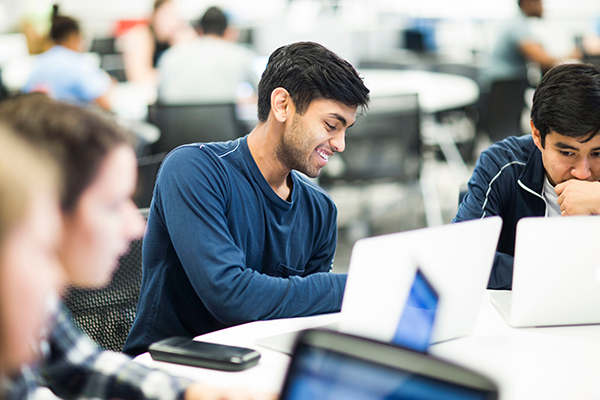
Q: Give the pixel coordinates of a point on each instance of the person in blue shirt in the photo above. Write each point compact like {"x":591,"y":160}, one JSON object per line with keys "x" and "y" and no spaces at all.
{"x":236,"y":231}
{"x":64,"y":73}
{"x":553,"y":172}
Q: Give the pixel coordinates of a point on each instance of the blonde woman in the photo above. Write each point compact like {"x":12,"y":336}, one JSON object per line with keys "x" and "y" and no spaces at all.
{"x":30,"y":272}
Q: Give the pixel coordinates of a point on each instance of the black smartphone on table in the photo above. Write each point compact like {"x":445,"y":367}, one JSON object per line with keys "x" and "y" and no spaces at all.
{"x":183,"y":350}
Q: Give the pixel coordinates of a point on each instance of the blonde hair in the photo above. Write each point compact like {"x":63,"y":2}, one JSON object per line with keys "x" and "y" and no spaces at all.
{"x":23,"y":169}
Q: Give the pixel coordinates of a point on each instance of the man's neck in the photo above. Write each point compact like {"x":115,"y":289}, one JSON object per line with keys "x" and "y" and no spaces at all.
{"x":262,"y":143}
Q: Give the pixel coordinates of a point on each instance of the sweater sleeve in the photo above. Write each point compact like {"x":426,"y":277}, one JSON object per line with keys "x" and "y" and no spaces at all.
{"x":192,"y":197}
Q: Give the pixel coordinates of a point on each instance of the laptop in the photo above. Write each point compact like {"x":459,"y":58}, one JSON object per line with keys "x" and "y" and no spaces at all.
{"x":331,"y":365}
{"x":455,"y":259}
{"x":556,"y":273}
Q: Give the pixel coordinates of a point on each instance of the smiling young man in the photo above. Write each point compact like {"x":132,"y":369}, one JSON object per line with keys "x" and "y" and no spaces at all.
{"x":236,"y":232}
{"x":553,"y":172}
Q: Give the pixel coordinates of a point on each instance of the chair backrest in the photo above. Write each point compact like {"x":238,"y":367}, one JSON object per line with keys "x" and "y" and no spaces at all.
{"x":189,"y":123}
{"x":383,"y":144}
{"x":103,"y":46}
{"x":502,"y":109}
{"x":147,"y":170}
{"x":114,"y":65}
{"x":107,"y":314}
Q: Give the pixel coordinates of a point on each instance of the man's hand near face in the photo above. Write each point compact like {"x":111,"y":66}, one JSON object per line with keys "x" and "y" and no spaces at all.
{"x":577,"y":197}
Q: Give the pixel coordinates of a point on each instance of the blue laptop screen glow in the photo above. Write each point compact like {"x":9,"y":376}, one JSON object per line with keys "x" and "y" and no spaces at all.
{"x":320,"y":374}
{"x":416,"y":322}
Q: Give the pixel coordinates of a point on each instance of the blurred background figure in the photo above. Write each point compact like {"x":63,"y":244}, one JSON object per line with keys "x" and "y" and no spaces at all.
{"x":591,"y":38}
{"x":516,"y":46}
{"x":211,"y":69}
{"x":30,"y":272}
{"x":516,"y":63}
{"x":143,"y":45}
{"x":64,"y":73}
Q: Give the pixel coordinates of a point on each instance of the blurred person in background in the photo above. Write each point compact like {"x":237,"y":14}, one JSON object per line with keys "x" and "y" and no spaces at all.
{"x":208,"y":70}
{"x":516,"y":46}
{"x":64,"y":73}
{"x":98,"y":168}
{"x":143,"y":45}
{"x":30,"y":272}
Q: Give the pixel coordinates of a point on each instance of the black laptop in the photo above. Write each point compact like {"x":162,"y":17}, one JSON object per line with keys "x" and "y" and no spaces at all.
{"x":330,"y":365}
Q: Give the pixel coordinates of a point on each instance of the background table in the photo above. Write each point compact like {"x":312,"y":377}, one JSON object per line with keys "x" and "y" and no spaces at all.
{"x":437,"y":91}
{"x":527,"y":363}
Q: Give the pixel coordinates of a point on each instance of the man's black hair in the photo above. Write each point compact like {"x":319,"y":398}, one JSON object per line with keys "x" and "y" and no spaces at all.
{"x":567,"y":101}
{"x":62,"y":26}
{"x":213,"y":22}
{"x":309,"y":71}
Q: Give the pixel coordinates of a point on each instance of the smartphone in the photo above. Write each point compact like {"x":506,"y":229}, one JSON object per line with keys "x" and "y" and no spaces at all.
{"x":182,"y":350}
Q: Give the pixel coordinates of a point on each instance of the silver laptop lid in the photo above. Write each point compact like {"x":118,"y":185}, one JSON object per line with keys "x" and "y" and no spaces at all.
{"x":556,"y":277}
{"x":456,"y":258}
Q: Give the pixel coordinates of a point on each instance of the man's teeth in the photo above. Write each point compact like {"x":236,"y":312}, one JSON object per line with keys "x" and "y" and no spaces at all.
{"x":323,"y":154}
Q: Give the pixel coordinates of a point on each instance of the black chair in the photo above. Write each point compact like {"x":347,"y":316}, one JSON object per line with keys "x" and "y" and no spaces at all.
{"x":107,"y":314}
{"x":3,"y":91}
{"x":502,"y":108}
{"x":189,"y":123}
{"x":384,"y":146}
{"x":114,"y":65}
{"x":147,"y":170}
{"x":103,"y":46}
{"x":111,"y":60}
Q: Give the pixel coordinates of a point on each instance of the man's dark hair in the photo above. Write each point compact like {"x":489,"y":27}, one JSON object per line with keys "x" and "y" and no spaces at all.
{"x":567,"y":101}
{"x":213,"y":22}
{"x":62,"y":26}
{"x":158,"y":4}
{"x":309,"y":71}
{"x":77,"y":139}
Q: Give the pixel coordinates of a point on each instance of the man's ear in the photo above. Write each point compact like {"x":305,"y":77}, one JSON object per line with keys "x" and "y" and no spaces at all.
{"x":537,"y":137}
{"x":280,"y":104}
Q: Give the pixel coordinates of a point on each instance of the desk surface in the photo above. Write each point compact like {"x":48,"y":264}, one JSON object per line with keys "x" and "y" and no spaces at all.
{"x":527,"y":363}
{"x":437,"y":91}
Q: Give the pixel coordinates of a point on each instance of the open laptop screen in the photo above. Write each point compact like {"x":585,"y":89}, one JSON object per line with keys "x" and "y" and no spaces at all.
{"x":320,"y":374}
{"x":416,"y":322}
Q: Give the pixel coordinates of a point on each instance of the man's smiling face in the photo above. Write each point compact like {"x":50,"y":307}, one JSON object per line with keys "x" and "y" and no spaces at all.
{"x":315,"y":135}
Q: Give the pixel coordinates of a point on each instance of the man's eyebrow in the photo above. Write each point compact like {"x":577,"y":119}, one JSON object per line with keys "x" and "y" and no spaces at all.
{"x":565,"y":146}
{"x":340,"y":118}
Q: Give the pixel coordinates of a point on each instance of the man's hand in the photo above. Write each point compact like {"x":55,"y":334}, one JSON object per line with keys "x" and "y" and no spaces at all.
{"x":577,"y":197}
{"x":197,"y":391}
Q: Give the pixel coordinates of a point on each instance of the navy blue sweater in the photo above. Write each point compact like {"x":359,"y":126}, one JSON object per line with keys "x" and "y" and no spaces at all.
{"x":222,"y":248}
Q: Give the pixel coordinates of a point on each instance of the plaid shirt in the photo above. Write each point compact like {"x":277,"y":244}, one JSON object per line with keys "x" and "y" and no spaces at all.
{"x":76,"y":367}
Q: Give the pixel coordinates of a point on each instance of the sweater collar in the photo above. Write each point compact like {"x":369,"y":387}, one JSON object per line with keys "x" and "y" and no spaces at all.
{"x":534,"y":172}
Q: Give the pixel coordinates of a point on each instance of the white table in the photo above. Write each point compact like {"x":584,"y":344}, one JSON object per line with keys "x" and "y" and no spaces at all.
{"x":437,"y":91}
{"x":532,"y":363}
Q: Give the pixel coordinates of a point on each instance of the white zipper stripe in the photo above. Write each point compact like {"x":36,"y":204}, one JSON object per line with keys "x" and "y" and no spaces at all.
{"x":487,"y":193}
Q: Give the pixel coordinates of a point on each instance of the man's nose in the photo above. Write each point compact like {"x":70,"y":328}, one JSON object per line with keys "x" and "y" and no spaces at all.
{"x":582,"y":169}
{"x":338,"y":142}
